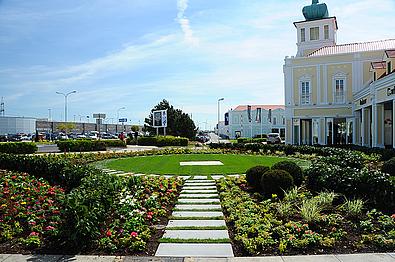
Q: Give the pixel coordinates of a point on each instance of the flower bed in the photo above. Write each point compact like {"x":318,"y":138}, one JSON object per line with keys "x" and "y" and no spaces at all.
{"x":31,"y":210}
{"x":301,"y":223}
{"x":106,"y":214}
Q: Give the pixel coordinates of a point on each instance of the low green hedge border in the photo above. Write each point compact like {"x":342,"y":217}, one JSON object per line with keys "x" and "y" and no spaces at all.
{"x":88,"y":145}
{"x":161,"y":141}
{"x":18,"y":148}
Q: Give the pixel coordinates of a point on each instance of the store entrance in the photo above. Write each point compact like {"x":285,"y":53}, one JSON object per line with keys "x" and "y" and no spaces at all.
{"x":388,"y":124}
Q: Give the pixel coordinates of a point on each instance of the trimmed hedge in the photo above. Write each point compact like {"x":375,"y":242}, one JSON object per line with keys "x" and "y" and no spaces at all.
{"x":161,"y":141}
{"x":57,"y":170}
{"x":293,"y":169}
{"x":18,"y":148}
{"x":254,"y":175}
{"x":249,"y":140}
{"x":276,"y":182}
{"x":88,"y":145}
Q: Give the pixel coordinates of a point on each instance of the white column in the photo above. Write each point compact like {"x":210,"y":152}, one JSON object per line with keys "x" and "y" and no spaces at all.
{"x":363,"y":127}
{"x":375,"y":135}
{"x":393,"y":124}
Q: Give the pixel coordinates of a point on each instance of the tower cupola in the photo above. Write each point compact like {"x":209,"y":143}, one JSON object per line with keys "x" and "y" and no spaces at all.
{"x":315,"y":11}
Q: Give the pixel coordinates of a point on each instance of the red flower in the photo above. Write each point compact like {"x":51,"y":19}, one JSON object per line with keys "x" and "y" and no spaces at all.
{"x":108,"y":233}
{"x":13,"y":177}
{"x":134,"y":234}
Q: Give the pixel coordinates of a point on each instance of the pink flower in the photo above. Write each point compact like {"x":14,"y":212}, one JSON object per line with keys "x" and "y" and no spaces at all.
{"x":393,"y":216}
{"x":49,"y":228}
{"x":134,"y":234}
{"x":33,"y":223}
{"x":32,"y":234}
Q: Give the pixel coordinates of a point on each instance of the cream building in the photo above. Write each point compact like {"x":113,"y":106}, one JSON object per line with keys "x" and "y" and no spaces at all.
{"x":265,"y":119}
{"x":338,"y":94}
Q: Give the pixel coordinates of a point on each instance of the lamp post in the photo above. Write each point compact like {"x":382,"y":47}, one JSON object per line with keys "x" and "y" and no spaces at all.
{"x":65,"y":102}
{"x":219,"y":113}
{"x":117,"y":121}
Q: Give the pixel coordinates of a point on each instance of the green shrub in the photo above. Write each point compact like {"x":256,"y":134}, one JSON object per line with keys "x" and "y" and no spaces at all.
{"x":253,"y":140}
{"x":276,"y":182}
{"x":292,"y":168}
{"x":310,"y":210}
{"x":161,"y":141}
{"x":353,"y":208}
{"x":254,"y":175}
{"x":81,"y":145}
{"x":57,"y":170}
{"x":114,"y":143}
{"x":18,"y":148}
{"x":389,"y":167}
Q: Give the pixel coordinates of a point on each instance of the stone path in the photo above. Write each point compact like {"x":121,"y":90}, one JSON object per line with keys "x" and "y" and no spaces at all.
{"x":123,"y":173}
{"x":197,"y":227}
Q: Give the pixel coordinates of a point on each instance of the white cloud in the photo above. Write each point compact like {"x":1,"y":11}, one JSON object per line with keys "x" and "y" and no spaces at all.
{"x":189,"y":37}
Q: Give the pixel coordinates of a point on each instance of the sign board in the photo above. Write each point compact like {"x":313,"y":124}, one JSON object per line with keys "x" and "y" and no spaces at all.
{"x":391,"y":91}
{"x":159,"y":118}
{"x":123,"y":120}
{"x":99,"y":116}
{"x":226,"y":119}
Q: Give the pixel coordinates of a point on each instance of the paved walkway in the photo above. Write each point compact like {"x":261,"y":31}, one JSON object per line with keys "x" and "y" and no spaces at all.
{"x":197,"y":227}
{"x":319,"y":258}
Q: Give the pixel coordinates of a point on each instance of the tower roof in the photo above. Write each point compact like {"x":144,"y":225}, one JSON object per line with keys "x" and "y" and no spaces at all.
{"x":315,"y":11}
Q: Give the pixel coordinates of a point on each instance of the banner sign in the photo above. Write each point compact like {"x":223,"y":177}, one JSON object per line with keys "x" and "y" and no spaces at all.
{"x":258,"y":115}
{"x":123,"y":120}
{"x":99,"y":116}
{"x":226,"y":119}
{"x":249,"y":114}
{"x":160,"y":118}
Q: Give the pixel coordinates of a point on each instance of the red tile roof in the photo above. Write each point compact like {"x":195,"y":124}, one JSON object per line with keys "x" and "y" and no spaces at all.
{"x":355,"y":47}
{"x":254,"y":107}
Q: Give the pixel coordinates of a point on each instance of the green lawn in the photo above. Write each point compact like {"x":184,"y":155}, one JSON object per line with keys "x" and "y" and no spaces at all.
{"x":170,"y":164}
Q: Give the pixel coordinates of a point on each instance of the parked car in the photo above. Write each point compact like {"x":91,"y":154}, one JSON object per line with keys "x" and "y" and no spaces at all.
{"x":3,"y":138}
{"x":274,"y":138}
{"x":81,"y":136}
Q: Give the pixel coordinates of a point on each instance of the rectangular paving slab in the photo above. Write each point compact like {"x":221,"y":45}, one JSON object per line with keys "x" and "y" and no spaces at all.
{"x":194,"y":250}
{"x":199,"y":184}
{"x":199,"y":187}
{"x":196,"y":234}
{"x":318,"y":258}
{"x":365,"y":258}
{"x":204,"y":191}
{"x":197,"y":207}
{"x":195,"y":223}
{"x":197,"y":214}
{"x":200,"y":178}
{"x":197,"y":195}
{"x":200,"y":181}
{"x":198,"y":200}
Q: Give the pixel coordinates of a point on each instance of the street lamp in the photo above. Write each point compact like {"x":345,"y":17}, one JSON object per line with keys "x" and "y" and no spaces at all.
{"x":65,"y":102}
{"x":219,"y":113}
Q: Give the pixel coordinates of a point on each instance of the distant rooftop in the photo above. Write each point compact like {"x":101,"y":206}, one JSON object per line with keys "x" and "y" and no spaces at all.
{"x":355,"y":48}
{"x":264,"y":107}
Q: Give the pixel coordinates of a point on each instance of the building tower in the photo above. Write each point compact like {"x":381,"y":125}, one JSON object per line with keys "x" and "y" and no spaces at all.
{"x":2,"y":109}
{"x":318,"y":30}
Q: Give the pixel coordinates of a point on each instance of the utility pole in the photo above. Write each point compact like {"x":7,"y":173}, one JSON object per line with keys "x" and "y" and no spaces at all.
{"x":2,"y":109}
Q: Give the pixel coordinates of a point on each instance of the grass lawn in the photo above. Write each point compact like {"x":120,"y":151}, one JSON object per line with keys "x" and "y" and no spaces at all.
{"x":170,"y":164}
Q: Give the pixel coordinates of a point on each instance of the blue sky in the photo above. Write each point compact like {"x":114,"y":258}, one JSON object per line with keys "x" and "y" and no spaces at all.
{"x":134,"y":53}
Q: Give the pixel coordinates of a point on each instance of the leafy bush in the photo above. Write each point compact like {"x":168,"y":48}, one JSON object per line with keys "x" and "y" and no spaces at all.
{"x":254,"y":175}
{"x":253,"y":140}
{"x":292,"y":168}
{"x":81,"y":145}
{"x":162,"y":141}
{"x":275,"y":182}
{"x":114,"y":143}
{"x":57,"y":170}
{"x":310,"y":210}
{"x":353,"y":208}
{"x":18,"y":148}
{"x":389,"y":167}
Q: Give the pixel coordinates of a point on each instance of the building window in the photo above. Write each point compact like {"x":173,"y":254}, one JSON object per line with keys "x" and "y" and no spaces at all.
{"x":389,"y":68}
{"x":274,"y":120}
{"x":305,"y":93}
{"x":283,"y":121}
{"x":326,"y":32}
{"x":303,"y":35}
{"x":374,"y":76}
{"x":314,"y":33}
{"x":339,"y":91}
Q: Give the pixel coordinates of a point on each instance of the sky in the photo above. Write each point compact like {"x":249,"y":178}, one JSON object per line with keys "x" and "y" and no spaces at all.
{"x":134,"y":53}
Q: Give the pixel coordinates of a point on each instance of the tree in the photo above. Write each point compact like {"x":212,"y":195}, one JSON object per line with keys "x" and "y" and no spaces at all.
{"x":178,"y":122}
{"x":66,"y":127}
